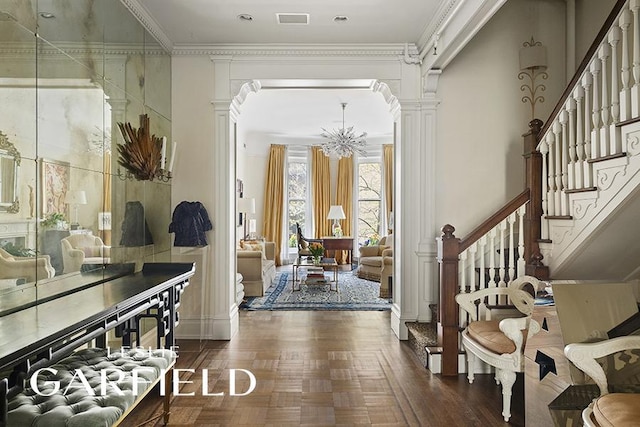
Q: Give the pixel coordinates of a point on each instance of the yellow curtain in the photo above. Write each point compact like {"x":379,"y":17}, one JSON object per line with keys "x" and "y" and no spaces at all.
{"x":321,"y":192}
{"x":106,"y":192}
{"x":273,"y":197}
{"x":344,"y":198}
{"x":387,"y":158}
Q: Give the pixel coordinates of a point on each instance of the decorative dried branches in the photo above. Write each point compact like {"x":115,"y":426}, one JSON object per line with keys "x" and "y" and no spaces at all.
{"x":140,"y":154}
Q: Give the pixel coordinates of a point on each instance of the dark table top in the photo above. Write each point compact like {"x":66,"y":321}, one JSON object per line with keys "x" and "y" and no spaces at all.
{"x":33,"y":328}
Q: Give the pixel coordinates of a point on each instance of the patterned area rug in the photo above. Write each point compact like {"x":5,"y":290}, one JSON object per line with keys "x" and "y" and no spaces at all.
{"x":355,"y":294}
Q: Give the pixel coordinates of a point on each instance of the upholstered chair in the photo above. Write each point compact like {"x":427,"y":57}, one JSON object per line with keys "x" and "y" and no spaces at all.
{"x":22,"y":267}
{"x":79,"y":249}
{"x":372,"y":261}
{"x":499,"y":343}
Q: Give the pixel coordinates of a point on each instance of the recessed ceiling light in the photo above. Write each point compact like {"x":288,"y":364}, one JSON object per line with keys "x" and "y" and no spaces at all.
{"x":341,"y":18}
{"x":245,"y":17}
{"x":47,"y":15}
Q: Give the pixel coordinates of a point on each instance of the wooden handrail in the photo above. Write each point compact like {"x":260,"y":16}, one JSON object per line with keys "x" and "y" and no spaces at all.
{"x":583,"y":65}
{"x":494,"y":219}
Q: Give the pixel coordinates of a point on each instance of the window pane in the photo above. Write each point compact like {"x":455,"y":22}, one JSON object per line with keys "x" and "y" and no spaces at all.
{"x":297,"y":181}
{"x":368,"y":219}
{"x":297,"y":210}
{"x":369,"y":181}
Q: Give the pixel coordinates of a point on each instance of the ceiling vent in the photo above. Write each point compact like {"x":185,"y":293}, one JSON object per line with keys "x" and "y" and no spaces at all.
{"x":293,"y":18}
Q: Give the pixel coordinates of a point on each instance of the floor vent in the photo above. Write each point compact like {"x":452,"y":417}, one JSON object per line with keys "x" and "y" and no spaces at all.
{"x":293,"y":18}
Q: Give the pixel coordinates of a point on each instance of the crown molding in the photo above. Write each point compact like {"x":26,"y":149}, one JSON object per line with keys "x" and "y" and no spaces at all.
{"x":150,"y":24}
{"x":350,"y":51}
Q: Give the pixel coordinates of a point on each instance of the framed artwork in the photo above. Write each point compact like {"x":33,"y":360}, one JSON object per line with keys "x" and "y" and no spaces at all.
{"x":54,"y":178}
{"x":239,"y":191}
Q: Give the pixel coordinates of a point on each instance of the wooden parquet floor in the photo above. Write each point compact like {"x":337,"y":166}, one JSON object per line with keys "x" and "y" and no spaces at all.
{"x":323,"y":368}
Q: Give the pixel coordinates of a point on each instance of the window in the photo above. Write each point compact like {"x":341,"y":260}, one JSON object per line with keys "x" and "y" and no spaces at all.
{"x":369,"y":205}
{"x":296,"y":198}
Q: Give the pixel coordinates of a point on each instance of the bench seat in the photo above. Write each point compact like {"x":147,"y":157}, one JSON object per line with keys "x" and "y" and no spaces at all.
{"x":75,"y":406}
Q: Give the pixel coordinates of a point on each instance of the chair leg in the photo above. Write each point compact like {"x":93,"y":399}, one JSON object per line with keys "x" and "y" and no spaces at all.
{"x":507,"y":378}
{"x":470,"y":365}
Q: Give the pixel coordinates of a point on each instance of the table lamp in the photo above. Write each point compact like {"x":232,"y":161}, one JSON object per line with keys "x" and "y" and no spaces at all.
{"x":246,"y":206}
{"x":75,"y":198}
{"x":336,"y":213}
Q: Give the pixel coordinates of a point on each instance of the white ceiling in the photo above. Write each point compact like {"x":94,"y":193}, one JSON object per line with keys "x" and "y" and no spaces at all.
{"x":297,"y":113}
{"x":215,"y":21}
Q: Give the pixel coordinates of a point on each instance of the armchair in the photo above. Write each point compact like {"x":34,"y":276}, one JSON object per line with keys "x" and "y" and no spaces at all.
{"x":79,"y":249}
{"x":303,"y":242}
{"x":499,"y":344}
{"x":376,"y":261}
{"x":29,"y":268}
{"x":609,"y":409}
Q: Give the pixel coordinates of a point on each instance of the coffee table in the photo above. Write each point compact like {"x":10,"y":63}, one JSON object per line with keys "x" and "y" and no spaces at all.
{"x":325,"y":263}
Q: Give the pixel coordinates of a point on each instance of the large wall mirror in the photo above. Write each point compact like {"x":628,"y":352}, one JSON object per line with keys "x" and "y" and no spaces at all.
{"x":66,"y":208}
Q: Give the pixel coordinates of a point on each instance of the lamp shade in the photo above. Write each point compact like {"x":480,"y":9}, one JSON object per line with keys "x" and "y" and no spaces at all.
{"x":390,"y":226}
{"x":533,"y":57}
{"x":78,"y":197}
{"x":336,"y":212}
{"x":247,"y":205}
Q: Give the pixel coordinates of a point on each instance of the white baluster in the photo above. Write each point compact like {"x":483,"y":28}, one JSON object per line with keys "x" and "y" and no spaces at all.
{"x":482,"y":246}
{"x":472,"y":266}
{"x":462,"y":264}
{"x":578,"y":95}
{"x":595,"y":110}
{"x":492,"y":263}
{"x":544,"y":225}
{"x":586,"y":84}
{"x":634,"y":5}
{"x":511,"y":250}
{"x":551,"y":174}
{"x":521,"y":261}
{"x":501,"y":270}
{"x":560,"y":206}
{"x":603,"y":54}
{"x":569,"y":131}
{"x":625,"y":73}
{"x":614,"y":131}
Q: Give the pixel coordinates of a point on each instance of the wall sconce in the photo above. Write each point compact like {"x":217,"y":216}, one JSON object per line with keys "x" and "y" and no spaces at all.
{"x":143,"y":155}
{"x":533,"y":63}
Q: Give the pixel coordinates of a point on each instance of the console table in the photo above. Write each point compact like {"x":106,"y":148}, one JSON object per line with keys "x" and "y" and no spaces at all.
{"x":338,"y":244}
{"x":48,"y":331}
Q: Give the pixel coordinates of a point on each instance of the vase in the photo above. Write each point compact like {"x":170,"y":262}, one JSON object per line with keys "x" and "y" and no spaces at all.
{"x":316,"y":260}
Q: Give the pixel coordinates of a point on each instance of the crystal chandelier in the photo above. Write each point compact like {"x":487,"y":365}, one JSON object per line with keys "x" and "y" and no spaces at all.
{"x":343,"y":142}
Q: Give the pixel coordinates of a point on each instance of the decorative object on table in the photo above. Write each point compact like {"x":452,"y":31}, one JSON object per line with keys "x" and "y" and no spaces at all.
{"x":135,"y":230}
{"x":75,"y":198}
{"x":533,"y":63}
{"x":246,"y":206}
{"x":343,"y":142}
{"x":189,"y":222}
{"x":317,"y":251}
{"x":144,"y":155}
{"x":373,"y":240}
{"x":336,"y":213}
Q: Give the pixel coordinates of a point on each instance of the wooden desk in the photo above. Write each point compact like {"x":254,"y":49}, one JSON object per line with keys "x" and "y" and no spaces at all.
{"x":338,"y":244}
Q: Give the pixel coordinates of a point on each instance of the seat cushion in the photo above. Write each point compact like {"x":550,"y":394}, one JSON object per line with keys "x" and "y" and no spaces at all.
{"x":617,"y":409}
{"x":487,"y":333}
{"x":374,"y":261}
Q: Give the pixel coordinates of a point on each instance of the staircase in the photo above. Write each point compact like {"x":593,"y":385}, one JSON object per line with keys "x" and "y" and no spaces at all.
{"x":582,"y":175}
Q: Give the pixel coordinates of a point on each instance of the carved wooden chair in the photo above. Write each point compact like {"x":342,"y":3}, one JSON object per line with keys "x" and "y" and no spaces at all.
{"x":609,"y":409}
{"x":500,"y":344}
{"x":303,"y":242}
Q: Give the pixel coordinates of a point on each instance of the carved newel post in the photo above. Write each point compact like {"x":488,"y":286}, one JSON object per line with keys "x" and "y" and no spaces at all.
{"x":448,"y":252}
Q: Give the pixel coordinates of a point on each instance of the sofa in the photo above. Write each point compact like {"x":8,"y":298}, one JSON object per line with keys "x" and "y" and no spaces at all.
{"x":25,"y":268}
{"x":79,"y":249}
{"x":376,"y":263}
{"x":256,"y":261}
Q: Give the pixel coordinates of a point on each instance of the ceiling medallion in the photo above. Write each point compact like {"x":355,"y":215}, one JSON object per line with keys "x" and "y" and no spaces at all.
{"x":343,"y":142}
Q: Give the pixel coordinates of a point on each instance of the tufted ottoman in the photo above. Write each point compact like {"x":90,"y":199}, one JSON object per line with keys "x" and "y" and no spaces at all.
{"x":115,"y":383}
